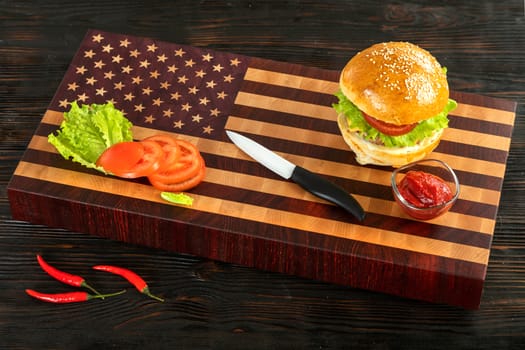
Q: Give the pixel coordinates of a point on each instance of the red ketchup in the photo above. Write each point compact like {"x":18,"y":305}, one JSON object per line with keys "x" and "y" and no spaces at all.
{"x":424,"y":190}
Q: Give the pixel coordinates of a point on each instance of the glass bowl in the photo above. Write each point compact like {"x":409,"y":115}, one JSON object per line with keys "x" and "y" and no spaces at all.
{"x":430,"y":166}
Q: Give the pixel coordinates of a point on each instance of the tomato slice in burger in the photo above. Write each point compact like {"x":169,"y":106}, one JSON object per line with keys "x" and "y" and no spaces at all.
{"x":387,"y":128}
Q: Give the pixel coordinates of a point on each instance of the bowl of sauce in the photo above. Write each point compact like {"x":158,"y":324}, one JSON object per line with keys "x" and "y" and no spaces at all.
{"x":425,"y":189}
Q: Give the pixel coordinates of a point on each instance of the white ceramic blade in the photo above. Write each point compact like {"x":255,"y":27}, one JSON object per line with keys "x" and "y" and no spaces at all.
{"x":263,"y":155}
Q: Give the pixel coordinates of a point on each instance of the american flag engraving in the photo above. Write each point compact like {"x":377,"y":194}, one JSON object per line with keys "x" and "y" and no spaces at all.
{"x":162,"y":85}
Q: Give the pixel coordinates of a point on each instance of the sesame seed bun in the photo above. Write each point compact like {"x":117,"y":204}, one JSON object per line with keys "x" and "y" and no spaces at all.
{"x":395,"y":82}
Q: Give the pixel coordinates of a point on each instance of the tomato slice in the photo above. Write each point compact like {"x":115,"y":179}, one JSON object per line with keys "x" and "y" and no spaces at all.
{"x":387,"y":128}
{"x":150,"y":161}
{"x":121,"y":157}
{"x":178,"y":173}
{"x":186,"y":173}
{"x":184,"y":185}
{"x":170,"y":148}
{"x":188,"y":150}
{"x":132,"y":159}
{"x":185,"y":168}
{"x":169,"y":163}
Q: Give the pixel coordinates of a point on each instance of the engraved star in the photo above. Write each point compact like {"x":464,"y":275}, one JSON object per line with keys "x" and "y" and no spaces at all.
{"x":214,"y":112}
{"x":172,"y":68}
{"x":211,"y":84}
{"x":127,"y":69}
{"x":186,"y":107}
{"x":157,"y":102}
{"x":109,"y":75}
{"x":146,"y":91}
{"x":139,"y":108}
{"x":152,"y":47}
{"x":63,"y":103}
{"x":217,"y":68}
{"x":108,"y":48}
{"x":222,"y":95}
{"x":175,"y":96}
{"x":178,"y":124}
{"x":167,"y":113}
{"x":129,"y":97}
{"x":193,"y":90}
{"x":124,"y":43}
{"x":100,"y":92}
{"x":165,"y":85}
{"x":144,"y":64}
{"x":82,"y":97}
{"x":162,"y":58}
{"x":116,"y":59}
{"x":89,"y":54}
{"x":204,"y":101}
{"x":99,"y":64}
{"x":91,"y":81}
{"x":149,"y":119}
{"x":155,"y":74}
{"x":182,"y":79}
{"x":118,"y":86}
{"x":189,"y":63}
{"x":135,"y":53}
{"x":200,"y":74}
{"x":228,"y":78}
{"x":180,"y":52}
{"x":137,"y":80}
{"x":73,"y":86}
{"x":235,"y":62}
{"x":112,"y":101}
{"x":81,"y":70}
{"x":97,"y":38}
{"x":196,"y":118}
{"x":207,"y":57}
{"x":207,"y":130}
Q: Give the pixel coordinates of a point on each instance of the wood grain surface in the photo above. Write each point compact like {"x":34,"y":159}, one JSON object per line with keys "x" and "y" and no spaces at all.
{"x":218,"y":305}
{"x":243,"y":214}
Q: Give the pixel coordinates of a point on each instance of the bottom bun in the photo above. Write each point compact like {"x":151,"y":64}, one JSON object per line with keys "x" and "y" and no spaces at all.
{"x":371,"y":153}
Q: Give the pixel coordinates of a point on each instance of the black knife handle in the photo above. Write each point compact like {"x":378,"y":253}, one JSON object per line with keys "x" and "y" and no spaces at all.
{"x":325,"y":189}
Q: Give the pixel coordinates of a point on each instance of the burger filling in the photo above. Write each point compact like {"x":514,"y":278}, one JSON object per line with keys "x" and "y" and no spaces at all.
{"x":363,"y":125}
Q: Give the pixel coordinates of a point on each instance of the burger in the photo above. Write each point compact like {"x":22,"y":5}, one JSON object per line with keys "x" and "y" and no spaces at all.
{"x":393,"y":104}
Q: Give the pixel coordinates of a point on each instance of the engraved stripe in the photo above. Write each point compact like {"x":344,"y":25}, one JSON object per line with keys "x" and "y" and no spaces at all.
{"x":276,"y":104}
{"x":291,"y":81}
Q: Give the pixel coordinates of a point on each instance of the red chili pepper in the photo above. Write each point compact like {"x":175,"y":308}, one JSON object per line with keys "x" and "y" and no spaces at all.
{"x":131,"y":276}
{"x":71,"y":297}
{"x":64,"y":277}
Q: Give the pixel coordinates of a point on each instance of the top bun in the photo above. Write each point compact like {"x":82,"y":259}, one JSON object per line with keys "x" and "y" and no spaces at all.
{"x":396,"y":82}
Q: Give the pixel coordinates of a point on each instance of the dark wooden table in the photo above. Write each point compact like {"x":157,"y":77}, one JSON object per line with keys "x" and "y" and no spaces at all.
{"x":218,"y":305}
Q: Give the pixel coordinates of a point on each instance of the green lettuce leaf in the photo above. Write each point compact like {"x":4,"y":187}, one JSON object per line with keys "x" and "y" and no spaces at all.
{"x":89,"y":130}
{"x":424,"y":129}
{"x":177,"y":198}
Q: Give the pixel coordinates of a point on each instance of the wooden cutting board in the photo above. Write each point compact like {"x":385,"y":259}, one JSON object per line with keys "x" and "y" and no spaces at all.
{"x":245,"y":214}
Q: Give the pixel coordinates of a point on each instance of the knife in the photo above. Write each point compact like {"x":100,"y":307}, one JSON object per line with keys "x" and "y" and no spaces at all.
{"x":311,"y":182}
